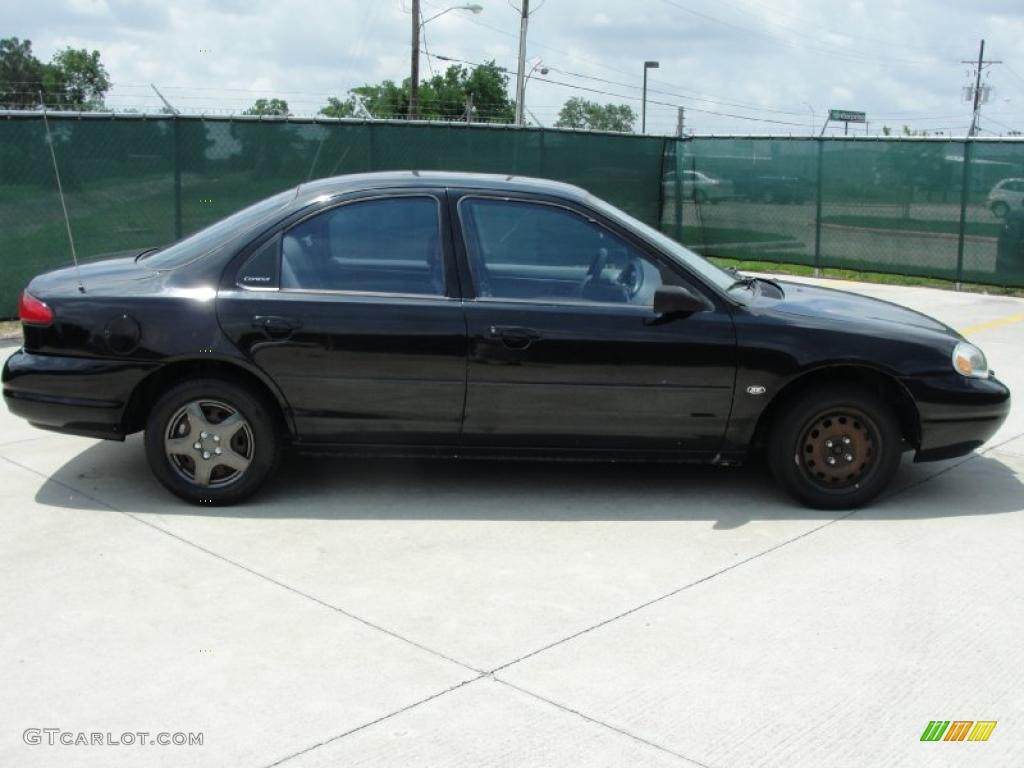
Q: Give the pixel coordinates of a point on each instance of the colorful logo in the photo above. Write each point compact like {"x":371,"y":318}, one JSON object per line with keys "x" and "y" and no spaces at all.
{"x":958,"y":730}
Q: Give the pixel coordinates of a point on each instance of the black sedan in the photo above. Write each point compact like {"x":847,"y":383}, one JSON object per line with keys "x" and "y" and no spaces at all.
{"x":444,"y":314}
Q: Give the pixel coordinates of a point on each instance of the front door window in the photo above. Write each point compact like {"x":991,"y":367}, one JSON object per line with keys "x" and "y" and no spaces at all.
{"x":540,"y":252}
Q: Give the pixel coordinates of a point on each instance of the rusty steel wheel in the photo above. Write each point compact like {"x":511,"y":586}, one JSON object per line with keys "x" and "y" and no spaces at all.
{"x":835,"y":446}
{"x":838,"y":448}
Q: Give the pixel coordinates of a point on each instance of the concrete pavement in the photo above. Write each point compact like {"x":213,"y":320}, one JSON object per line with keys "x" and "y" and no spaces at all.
{"x":369,"y":613}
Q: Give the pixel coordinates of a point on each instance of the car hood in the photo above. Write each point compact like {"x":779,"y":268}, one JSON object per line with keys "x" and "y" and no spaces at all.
{"x":850,"y":308}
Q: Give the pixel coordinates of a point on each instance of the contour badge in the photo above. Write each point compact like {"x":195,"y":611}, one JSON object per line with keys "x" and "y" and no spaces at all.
{"x":756,"y":389}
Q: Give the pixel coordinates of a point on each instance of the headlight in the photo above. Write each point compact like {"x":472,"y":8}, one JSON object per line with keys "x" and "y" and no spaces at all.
{"x":968,"y":360}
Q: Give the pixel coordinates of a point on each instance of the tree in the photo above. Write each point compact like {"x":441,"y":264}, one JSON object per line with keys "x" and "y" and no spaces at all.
{"x":443,"y":97}
{"x":76,"y":79}
{"x":21,"y":74}
{"x":590,"y":116}
{"x":335,"y":107}
{"x":488,"y":84}
{"x":268,"y":107}
{"x":384,"y":100}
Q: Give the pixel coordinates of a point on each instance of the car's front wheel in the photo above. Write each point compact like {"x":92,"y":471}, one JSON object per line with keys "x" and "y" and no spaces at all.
{"x":211,"y":441}
{"x":1000,"y":209}
{"x":835,"y":448}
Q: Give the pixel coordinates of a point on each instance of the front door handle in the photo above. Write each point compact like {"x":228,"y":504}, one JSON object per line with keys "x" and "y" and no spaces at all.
{"x":276,"y":325}
{"x":513,"y":337}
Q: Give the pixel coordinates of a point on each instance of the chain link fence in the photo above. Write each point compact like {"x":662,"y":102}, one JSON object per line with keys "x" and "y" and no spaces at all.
{"x":952,"y":209}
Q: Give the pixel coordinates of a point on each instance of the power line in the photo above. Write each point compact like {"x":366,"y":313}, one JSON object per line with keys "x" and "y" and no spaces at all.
{"x":991,"y":119}
{"x":635,"y":98}
{"x":888,"y":43}
{"x":679,"y":95}
{"x":817,"y":46}
{"x":1012,"y":71}
{"x":568,"y":54}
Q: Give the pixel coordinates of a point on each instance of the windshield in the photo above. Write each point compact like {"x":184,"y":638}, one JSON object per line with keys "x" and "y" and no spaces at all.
{"x":717,"y":276}
{"x":205,"y":240}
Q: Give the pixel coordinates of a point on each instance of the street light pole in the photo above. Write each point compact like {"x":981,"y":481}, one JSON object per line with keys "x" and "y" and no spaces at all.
{"x":522,"y":100}
{"x":417,"y":25}
{"x":643,"y":108}
{"x":521,"y":69}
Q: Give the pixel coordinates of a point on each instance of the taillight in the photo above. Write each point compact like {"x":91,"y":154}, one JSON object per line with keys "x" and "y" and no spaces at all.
{"x":32,"y":311}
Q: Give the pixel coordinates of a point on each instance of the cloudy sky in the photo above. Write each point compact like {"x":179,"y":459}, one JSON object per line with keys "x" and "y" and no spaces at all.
{"x":738,"y":66}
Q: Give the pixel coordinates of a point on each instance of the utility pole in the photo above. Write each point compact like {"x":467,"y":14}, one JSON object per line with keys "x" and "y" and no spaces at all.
{"x":521,"y":74}
{"x":981,"y":64}
{"x":414,"y":76}
{"x":680,"y":122}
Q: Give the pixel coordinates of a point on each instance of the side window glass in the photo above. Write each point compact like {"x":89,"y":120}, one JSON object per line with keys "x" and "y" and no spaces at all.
{"x":535,"y":251}
{"x":390,"y":245}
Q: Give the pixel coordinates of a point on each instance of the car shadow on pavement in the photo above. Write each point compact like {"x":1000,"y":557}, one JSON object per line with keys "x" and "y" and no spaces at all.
{"x":115,"y":476}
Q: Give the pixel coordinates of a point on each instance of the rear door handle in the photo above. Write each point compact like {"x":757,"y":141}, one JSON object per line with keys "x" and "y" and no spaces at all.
{"x":276,"y":325}
{"x":513,"y":337}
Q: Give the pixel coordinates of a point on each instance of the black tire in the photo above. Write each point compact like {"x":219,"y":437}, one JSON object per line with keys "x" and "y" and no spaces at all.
{"x":861,"y":443}
{"x":700,"y":197}
{"x":1000,"y":209}
{"x":251,"y":441}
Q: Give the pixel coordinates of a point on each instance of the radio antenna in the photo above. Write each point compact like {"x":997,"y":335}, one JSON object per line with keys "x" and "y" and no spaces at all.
{"x":60,"y":192}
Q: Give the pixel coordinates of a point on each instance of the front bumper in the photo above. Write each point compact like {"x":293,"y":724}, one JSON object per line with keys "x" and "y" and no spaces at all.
{"x":958,"y":414}
{"x":74,"y":395}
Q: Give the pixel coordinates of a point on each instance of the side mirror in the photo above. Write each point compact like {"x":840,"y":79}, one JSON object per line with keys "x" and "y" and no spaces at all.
{"x":676,"y":300}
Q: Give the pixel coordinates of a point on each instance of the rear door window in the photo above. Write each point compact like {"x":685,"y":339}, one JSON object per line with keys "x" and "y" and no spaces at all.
{"x":384,"y":245}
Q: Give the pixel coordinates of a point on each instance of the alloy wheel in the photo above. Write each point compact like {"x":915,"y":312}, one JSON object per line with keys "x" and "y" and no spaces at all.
{"x":209,"y":443}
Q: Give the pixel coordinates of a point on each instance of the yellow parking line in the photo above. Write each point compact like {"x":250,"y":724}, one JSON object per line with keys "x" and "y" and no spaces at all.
{"x":991,"y":324}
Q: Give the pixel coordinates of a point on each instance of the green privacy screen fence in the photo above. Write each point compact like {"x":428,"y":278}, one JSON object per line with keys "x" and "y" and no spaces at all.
{"x":949,"y":209}
{"x":132,"y":182}
{"x":907,"y":206}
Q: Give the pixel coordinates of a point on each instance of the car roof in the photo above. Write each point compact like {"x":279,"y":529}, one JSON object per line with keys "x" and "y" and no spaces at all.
{"x":358,"y":182}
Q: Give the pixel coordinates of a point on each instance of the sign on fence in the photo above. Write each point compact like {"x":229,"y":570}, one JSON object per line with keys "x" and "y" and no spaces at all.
{"x":847,"y":116}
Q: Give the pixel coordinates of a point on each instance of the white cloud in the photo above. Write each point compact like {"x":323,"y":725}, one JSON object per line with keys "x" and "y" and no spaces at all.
{"x":887,"y":57}
{"x":89,"y":7}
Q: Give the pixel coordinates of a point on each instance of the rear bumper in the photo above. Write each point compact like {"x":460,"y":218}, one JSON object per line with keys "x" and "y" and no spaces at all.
{"x":971,"y":411}
{"x":73,"y":395}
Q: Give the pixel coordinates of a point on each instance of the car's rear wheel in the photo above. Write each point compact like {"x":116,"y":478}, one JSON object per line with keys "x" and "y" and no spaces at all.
{"x":835,"y":448}
{"x":211,"y":441}
{"x":1000,"y":209}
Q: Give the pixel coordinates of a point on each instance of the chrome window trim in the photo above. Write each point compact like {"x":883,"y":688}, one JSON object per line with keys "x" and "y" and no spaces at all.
{"x":636,"y":309}
{"x":370,"y":294}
